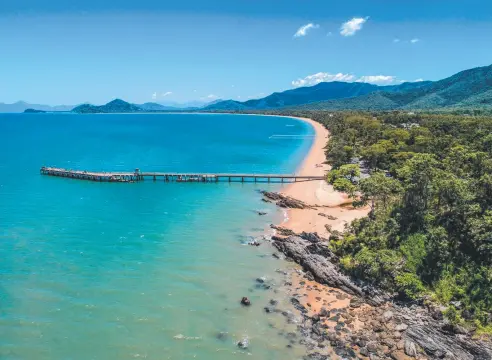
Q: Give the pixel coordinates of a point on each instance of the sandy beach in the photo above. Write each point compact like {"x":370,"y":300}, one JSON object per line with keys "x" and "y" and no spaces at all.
{"x":332,"y":208}
{"x":335,"y":205}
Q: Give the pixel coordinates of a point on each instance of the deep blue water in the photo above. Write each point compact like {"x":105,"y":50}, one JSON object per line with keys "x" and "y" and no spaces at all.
{"x":144,"y":270}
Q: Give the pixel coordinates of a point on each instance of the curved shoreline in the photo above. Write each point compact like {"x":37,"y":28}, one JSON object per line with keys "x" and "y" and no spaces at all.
{"x":330,"y":212}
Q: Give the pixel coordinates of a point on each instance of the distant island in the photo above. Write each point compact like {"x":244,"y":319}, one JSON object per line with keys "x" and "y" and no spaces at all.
{"x":27,"y":111}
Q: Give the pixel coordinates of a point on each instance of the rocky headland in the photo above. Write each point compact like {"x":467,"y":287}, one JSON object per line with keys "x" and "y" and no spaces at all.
{"x":358,"y":321}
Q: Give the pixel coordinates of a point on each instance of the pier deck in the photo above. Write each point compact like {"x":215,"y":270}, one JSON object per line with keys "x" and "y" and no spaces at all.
{"x":138,"y":175}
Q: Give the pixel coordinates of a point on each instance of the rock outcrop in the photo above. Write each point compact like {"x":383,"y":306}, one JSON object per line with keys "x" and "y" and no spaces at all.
{"x":441,"y":345}
{"x":285,"y":201}
{"x":318,"y":260}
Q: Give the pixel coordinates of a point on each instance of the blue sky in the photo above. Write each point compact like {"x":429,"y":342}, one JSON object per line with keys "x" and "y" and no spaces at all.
{"x":68,"y":52}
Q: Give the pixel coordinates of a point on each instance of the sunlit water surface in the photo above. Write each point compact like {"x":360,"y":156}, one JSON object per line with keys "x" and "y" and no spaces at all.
{"x":144,"y":270}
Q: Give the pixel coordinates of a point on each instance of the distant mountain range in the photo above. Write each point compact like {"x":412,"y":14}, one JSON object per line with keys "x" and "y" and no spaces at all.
{"x":469,"y":89}
{"x":120,"y":106}
{"x":311,"y":94}
{"x":21,"y":106}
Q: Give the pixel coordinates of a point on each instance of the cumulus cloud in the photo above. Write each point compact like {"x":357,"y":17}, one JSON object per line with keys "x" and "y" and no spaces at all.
{"x":413,"y":41}
{"x":322,"y":77}
{"x":418,"y":80}
{"x":396,"y":40}
{"x":377,"y":79}
{"x":350,"y":27}
{"x":303,"y":30}
{"x":327,"y":77}
{"x":167,"y":93}
{"x":209,"y":97}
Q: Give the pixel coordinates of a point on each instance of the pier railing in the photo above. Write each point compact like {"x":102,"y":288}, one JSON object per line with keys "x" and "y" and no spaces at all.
{"x":138,"y":175}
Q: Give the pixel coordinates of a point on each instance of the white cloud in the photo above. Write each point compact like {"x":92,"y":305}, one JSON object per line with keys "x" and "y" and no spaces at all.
{"x":413,"y":41}
{"x":377,"y":79}
{"x":303,"y":30}
{"x":322,"y":77}
{"x":418,"y":80}
{"x":327,"y":77}
{"x":350,"y":27}
{"x":396,"y":40}
{"x":154,"y":96}
{"x":209,"y":97}
{"x":167,"y":93}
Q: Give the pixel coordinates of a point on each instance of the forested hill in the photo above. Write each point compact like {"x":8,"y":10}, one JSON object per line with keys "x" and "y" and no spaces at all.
{"x":468,"y":89}
{"x":428,"y":237}
{"x":115,"y":106}
{"x":310,"y":94}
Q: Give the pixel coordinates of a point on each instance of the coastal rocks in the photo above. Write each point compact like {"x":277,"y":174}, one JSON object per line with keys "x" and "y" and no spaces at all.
{"x":410,"y":348}
{"x":387,"y":316}
{"x":316,"y":356}
{"x":298,"y":305}
{"x":356,"y":302}
{"x":323,"y":250}
{"x":312,"y":237}
{"x":329,"y":217}
{"x":254,"y":243}
{"x":262,"y":283}
{"x":243,"y":344}
{"x":319,"y":266}
{"x":285,"y":201}
{"x":401,"y":327}
{"x":283,"y":231}
{"x":437,"y":344}
{"x":261,"y":213}
{"x":245,"y":301}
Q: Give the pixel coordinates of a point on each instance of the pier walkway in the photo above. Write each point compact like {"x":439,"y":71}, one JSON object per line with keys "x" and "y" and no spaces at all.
{"x":138,"y":175}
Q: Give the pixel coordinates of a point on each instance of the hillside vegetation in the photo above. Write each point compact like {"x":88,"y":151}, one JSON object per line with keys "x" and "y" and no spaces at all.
{"x":429,"y":231}
{"x":115,"y":106}
{"x":313,"y":94}
{"x":468,"y":89}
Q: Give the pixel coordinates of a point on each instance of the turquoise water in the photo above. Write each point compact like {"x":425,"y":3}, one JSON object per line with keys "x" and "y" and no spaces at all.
{"x":146,"y":270}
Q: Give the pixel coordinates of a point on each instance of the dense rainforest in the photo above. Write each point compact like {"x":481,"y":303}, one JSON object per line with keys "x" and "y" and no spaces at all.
{"x":427,"y":179}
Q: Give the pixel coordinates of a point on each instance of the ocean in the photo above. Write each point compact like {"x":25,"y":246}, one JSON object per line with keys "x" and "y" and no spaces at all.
{"x":148,"y":270}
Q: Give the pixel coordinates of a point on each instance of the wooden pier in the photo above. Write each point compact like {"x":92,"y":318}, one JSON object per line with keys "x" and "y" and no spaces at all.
{"x":138,"y":175}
